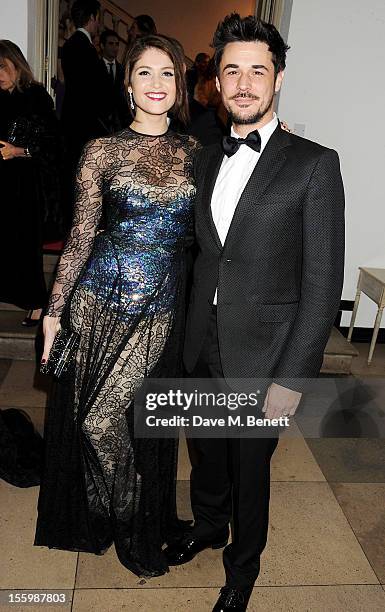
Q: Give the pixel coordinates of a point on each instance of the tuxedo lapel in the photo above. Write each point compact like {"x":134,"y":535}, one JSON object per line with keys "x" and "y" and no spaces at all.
{"x":269,"y":164}
{"x":212,"y":170}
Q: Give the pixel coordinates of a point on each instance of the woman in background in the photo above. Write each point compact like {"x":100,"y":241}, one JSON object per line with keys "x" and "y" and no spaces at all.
{"x":29,"y":178}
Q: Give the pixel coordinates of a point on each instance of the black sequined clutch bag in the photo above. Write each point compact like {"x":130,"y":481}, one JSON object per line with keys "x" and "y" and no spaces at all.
{"x":24,"y":133}
{"x":61,"y":359}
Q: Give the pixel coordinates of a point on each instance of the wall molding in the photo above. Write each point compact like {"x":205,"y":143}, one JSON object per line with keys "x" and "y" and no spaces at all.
{"x":52,"y":29}
{"x":271,"y":11}
{"x":36,"y":49}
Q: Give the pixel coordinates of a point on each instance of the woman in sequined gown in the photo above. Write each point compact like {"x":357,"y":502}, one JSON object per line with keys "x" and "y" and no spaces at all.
{"x":119,"y":285}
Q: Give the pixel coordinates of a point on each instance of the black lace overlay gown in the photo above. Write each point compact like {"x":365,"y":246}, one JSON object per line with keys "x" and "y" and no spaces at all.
{"x":120,"y":285}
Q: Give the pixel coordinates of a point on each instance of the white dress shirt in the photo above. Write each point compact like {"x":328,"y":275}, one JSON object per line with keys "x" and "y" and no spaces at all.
{"x":107,"y":63}
{"x":86,"y":33}
{"x":233,"y":176}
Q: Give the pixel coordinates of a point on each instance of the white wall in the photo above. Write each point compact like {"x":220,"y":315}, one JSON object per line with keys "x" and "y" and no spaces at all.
{"x":14,"y":22}
{"x":334,"y":84}
{"x":24,"y":23}
{"x":191,"y":21}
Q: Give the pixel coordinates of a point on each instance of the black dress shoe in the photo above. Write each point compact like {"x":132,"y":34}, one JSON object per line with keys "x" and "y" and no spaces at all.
{"x":232,"y":600}
{"x":186,"y":550}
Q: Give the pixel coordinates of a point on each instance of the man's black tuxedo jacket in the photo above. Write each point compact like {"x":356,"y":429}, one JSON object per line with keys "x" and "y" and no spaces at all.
{"x":84,"y":104}
{"x":116,"y":100}
{"x":280,"y":272}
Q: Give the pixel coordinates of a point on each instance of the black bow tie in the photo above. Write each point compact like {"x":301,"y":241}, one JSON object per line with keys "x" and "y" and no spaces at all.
{"x":231,"y":145}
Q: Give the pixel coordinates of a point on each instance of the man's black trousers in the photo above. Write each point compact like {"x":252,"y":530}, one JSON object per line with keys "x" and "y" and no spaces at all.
{"x":230,"y":483}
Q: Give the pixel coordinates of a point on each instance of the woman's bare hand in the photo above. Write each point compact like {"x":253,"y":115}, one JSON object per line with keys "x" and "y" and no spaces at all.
{"x":9,"y":151}
{"x":51,"y":325}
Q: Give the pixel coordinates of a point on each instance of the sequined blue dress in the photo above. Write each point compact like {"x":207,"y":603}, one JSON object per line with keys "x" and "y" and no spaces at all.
{"x":120,"y":285}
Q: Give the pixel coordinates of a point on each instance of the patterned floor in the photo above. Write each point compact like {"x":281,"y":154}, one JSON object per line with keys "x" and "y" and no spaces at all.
{"x":327,"y":528}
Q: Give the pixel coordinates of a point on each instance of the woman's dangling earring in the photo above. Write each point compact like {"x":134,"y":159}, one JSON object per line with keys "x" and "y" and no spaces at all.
{"x":132,"y":105}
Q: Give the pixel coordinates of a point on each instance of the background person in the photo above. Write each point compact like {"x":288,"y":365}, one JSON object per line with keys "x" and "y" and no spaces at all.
{"x":207,"y":94}
{"x":30,"y":168}
{"x":202,"y":123}
{"x":197,"y":69}
{"x":57,"y":81}
{"x":205,"y":90}
{"x":143,"y":25}
{"x":118,"y":115}
{"x":84,"y":109}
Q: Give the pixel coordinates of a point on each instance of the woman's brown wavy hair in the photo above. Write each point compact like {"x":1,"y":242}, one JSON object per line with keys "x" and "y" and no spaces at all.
{"x":11,"y":52}
{"x":174,"y":51}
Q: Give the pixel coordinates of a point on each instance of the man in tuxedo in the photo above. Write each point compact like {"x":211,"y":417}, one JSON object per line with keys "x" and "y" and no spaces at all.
{"x":267,"y":285}
{"x":117,"y":106}
{"x":84,"y":106}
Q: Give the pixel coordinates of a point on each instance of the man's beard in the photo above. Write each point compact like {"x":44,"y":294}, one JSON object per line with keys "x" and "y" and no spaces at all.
{"x":251,"y":119}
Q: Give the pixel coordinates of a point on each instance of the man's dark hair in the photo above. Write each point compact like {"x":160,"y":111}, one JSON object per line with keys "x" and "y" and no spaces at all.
{"x":145,"y":24}
{"x":105,"y":35}
{"x":82,"y":10}
{"x":235,"y":28}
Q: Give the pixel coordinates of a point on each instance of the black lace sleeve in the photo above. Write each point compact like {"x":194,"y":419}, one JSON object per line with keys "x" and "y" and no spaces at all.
{"x":88,"y":209}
